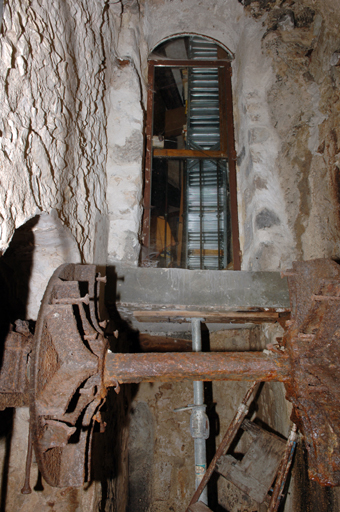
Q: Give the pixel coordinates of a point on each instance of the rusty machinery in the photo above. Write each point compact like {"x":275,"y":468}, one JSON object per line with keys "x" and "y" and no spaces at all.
{"x":71,"y":369}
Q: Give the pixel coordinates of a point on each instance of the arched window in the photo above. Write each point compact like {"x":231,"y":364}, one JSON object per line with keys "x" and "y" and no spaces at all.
{"x":190,"y":202}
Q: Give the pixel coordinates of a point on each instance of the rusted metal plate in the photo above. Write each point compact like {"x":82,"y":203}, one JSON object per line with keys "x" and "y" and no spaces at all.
{"x":207,"y":366}
{"x":313,"y":344}
{"x":66,"y":376}
{"x":13,"y":375}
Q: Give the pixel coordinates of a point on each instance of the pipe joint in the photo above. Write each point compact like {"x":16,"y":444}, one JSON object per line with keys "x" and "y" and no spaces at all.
{"x":199,"y":423}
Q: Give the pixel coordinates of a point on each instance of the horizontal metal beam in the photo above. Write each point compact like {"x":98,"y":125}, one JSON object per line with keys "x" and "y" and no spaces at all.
{"x":206,"y":366}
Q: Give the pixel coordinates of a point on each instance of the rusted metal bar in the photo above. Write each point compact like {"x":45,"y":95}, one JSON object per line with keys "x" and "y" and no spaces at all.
{"x":207,"y":366}
{"x":232,"y":170}
{"x":283,"y":470}
{"x":226,"y":442}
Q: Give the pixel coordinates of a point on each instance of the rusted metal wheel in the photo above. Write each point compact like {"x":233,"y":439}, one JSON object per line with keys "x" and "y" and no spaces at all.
{"x":66,"y":375}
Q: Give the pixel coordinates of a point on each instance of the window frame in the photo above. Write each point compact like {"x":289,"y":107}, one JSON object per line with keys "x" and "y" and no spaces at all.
{"x":227,"y":143}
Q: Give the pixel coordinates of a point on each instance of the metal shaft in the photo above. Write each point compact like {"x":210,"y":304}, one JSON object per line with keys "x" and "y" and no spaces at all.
{"x":206,"y":366}
{"x":199,"y":442}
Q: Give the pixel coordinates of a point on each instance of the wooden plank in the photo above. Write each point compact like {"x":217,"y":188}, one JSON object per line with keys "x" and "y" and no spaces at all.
{"x":222,"y":108}
{"x":208,"y":316}
{"x":207,"y":252}
{"x":186,"y":63}
{"x":232,"y":171}
{"x":255,"y":473}
{"x":188,"y":153}
{"x":148,"y":157}
{"x":180,"y":221}
{"x":199,"y":507}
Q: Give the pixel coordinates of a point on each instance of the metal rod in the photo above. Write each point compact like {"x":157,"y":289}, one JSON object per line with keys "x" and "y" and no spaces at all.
{"x":201,"y":218}
{"x":226,"y":442}
{"x":199,"y":442}
{"x":166,"y":216}
{"x":283,"y":470}
{"x":208,"y":366}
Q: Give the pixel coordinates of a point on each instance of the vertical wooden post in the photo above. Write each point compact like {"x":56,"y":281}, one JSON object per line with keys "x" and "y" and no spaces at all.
{"x":232,"y":170}
{"x":148,"y":159}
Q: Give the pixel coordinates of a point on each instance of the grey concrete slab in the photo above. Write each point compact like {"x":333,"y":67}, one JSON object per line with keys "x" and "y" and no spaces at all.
{"x":223,"y":289}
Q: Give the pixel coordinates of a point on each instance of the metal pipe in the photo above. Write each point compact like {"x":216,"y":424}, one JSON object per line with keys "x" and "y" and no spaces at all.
{"x":241,"y":413}
{"x":201,"y":218}
{"x":208,"y":366}
{"x":198,"y":416}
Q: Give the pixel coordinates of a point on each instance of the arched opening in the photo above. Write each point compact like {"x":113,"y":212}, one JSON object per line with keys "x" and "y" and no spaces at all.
{"x":190,"y":202}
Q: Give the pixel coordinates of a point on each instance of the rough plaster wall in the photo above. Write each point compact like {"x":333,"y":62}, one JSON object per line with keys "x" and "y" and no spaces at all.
{"x":301,"y":41}
{"x":285,"y":127}
{"x":265,"y":238}
{"x":125,"y":110}
{"x":52,"y":167}
{"x":124,"y":173}
{"x":53,"y":116}
{"x":53,"y":246}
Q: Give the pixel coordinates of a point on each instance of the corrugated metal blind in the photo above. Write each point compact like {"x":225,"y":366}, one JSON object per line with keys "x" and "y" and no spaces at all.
{"x":206,"y":180}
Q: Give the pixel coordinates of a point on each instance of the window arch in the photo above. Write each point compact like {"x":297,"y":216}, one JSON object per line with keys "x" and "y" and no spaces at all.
{"x":190,"y":200}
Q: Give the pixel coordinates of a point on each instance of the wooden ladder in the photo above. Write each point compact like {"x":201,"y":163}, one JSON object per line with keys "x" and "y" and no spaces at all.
{"x":266,"y":451}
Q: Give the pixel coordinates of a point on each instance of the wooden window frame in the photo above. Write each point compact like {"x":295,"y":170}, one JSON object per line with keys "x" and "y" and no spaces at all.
{"x":227,"y":151}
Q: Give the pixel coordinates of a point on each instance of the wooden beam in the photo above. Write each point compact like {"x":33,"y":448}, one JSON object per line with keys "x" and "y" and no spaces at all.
{"x":233,"y":317}
{"x":148,"y":158}
{"x":232,"y":171}
{"x":188,"y":153}
{"x":188,"y":63}
{"x":150,"y":343}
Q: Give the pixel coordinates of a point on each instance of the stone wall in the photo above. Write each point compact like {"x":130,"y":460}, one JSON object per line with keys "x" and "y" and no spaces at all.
{"x":284,"y":83}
